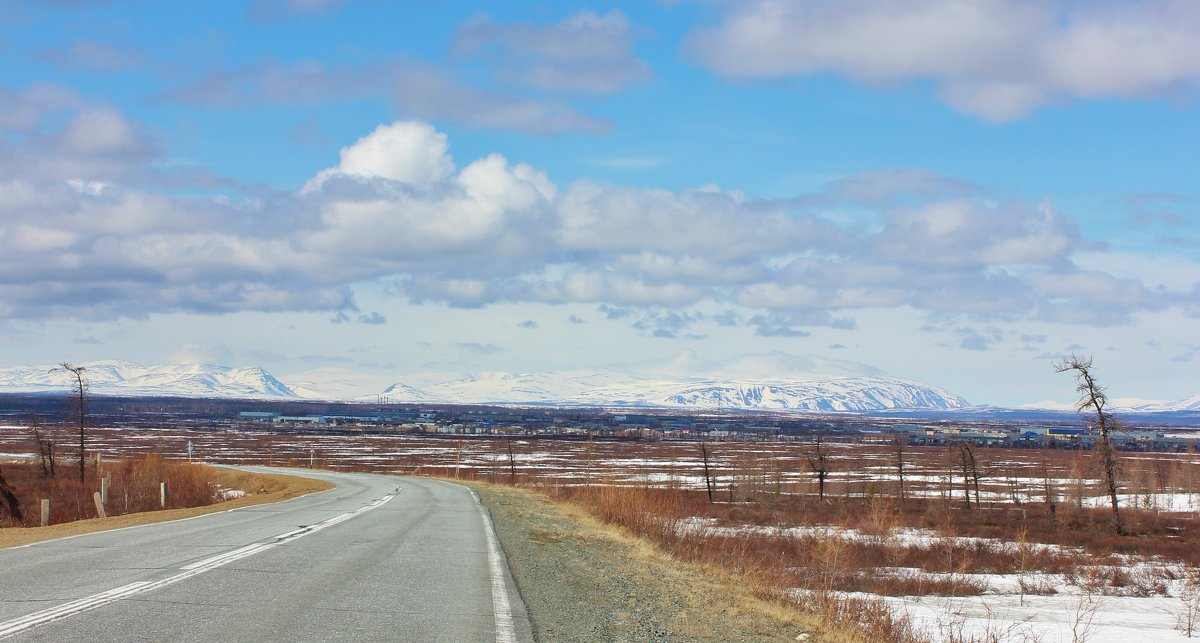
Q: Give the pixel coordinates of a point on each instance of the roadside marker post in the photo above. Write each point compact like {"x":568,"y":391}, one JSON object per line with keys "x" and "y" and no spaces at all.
{"x":45,"y":511}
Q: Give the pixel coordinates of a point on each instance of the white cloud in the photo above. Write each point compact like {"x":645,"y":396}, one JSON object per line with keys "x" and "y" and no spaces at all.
{"x":397,"y":208}
{"x":965,"y":232}
{"x":998,"y":59}
{"x":407,"y":151}
{"x":101,"y":132}
{"x":22,"y":111}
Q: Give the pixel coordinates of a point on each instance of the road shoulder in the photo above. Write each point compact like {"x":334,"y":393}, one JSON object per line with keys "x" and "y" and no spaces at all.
{"x":585,"y":581}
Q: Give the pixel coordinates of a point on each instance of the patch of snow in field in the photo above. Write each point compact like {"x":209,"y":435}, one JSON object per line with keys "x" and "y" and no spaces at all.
{"x":1169,"y":502}
{"x":682,"y":461}
{"x":674,"y":479}
{"x":1001,"y":613}
{"x":19,"y":456}
{"x":1049,"y":619}
{"x":906,"y":537}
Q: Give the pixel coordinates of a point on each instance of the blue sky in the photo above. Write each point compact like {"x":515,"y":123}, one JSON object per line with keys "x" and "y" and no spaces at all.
{"x":957,"y":193}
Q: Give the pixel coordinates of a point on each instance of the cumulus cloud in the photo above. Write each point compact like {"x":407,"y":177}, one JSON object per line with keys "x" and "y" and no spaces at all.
{"x":408,"y":151}
{"x":998,"y":59}
{"x":587,"y":53}
{"x":77,"y":239}
{"x":91,"y":143}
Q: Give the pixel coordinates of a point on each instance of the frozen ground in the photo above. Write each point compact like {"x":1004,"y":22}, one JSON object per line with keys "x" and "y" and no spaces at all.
{"x":1048,"y":619}
{"x":1052,"y":608}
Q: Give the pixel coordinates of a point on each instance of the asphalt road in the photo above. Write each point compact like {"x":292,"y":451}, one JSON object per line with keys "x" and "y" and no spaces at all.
{"x":379,"y":558}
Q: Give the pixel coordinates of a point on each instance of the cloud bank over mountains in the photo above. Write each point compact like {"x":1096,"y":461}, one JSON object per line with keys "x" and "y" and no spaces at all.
{"x":87,"y":234}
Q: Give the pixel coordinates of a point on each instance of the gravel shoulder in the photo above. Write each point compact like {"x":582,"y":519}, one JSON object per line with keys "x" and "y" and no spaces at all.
{"x":585,"y":581}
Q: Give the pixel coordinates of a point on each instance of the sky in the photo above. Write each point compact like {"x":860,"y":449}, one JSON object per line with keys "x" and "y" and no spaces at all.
{"x":958,"y":193}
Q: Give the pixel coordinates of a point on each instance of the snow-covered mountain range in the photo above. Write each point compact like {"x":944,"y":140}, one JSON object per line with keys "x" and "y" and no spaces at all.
{"x":116,"y":377}
{"x":847,"y":393}
{"x":860,"y":393}
{"x":864,"y":393}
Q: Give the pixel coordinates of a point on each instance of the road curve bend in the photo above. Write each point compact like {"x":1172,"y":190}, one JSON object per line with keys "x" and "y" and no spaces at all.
{"x":378,"y":558}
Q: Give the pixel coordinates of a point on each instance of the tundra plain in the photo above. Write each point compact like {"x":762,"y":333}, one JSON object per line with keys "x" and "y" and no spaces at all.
{"x":948,"y":543}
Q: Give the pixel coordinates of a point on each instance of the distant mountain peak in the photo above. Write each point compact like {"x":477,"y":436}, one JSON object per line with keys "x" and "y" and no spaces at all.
{"x":119,"y":377}
{"x":832,"y":394}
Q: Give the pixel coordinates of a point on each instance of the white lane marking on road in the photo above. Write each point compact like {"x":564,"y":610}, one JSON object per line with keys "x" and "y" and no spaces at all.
{"x":501,"y":610}
{"x":78,"y":606}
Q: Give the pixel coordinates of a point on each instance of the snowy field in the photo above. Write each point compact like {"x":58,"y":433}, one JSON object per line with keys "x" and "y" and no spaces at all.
{"x":1156,"y":605}
{"x":1153,"y":604}
{"x":1069,"y":617}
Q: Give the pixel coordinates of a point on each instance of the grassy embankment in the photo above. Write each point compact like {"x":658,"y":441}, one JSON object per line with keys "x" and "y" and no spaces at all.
{"x":193,"y":490}
{"x":585,"y":545}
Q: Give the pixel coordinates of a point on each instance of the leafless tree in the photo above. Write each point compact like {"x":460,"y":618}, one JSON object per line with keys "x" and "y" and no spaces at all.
{"x":899,"y":442}
{"x":512,"y":462}
{"x":1092,"y":404}
{"x":79,"y":390}
{"x":818,"y":461}
{"x":45,"y":446}
{"x":970,"y":471}
{"x":1049,"y":493}
{"x":708,"y":483}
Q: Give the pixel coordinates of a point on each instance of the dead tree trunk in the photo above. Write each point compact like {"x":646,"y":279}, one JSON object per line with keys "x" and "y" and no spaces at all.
{"x":971,"y":468}
{"x":1092,"y":403}
{"x":708,"y":484}
{"x":818,"y":461}
{"x":966,"y":472}
{"x":512,"y":462}
{"x":79,"y":403}
{"x":45,"y":446}
{"x":900,"y":439}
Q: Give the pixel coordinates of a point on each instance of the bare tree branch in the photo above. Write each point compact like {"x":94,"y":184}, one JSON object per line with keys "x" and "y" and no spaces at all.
{"x":1092,"y":404}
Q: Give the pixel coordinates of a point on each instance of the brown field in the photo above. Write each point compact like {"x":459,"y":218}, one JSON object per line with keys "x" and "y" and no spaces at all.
{"x":906,"y":522}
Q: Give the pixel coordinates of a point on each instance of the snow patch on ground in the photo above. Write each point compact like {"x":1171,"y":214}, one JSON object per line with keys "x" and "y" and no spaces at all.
{"x":1062,"y":609}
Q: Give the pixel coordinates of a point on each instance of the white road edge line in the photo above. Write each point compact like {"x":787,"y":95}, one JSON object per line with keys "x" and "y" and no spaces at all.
{"x":80,"y":605}
{"x":501,"y":609}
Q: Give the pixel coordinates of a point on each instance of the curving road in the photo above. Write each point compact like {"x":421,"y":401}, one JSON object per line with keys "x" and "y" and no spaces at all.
{"x":377,"y":558}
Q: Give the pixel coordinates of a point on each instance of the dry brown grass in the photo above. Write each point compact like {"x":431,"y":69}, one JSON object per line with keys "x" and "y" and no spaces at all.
{"x":260,"y":488}
{"x":815,"y":570}
{"x":790,"y":574}
{"x":134,"y":488}
{"x":708,"y":592}
{"x":760,"y":570}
